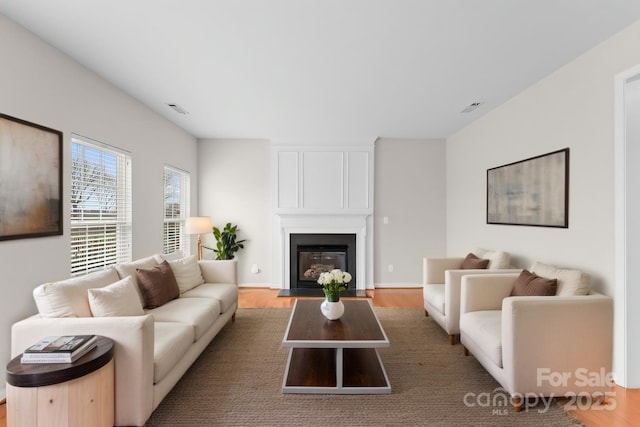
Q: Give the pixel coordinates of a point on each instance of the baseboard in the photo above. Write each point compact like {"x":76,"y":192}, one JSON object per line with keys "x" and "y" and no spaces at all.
{"x":397,"y":285}
{"x":255,"y":285}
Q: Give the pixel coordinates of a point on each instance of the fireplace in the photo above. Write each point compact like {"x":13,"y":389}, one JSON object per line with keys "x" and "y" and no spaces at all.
{"x":313,"y":254}
{"x":290,"y":228}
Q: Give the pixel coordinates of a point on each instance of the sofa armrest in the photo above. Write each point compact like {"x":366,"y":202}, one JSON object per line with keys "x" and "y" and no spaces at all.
{"x":433,"y":269}
{"x":551,"y":336}
{"x":133,"y":355}
{"x":219,"y":271}
{"x":480,"y":292}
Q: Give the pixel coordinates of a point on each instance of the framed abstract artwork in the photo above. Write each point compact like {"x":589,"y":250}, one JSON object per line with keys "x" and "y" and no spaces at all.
{"x":30,"y":179}
{"x":533,"y":191}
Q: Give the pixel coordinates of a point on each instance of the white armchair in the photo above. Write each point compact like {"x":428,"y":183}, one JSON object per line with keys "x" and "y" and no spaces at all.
{"x":441,"y":288}
{"x":537,"y":346}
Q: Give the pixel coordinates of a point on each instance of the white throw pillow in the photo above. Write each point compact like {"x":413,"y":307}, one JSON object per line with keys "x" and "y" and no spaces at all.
{"x":187,"y":272}
{"x":570,"y":282}
{"x":117,"y":299}
{"x":68,"y":298}
{"x":169,"y":257}
{"x":129,"y":269}
{"x":497,"y":259}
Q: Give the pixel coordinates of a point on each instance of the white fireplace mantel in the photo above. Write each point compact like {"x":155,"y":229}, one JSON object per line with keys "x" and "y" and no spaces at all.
{"x":323,"y":190}
{"x":360,"y":225}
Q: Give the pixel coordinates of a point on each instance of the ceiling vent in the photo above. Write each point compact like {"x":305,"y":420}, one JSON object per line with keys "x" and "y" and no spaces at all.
{"x":178,"y":109}
{"x":469,"y":108}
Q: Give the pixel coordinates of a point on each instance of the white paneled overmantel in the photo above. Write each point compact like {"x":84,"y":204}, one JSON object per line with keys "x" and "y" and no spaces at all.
{"x":316,"y":180}
{"x":323,"y":189}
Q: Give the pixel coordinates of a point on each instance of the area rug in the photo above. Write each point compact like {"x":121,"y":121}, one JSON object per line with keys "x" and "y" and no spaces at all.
{"x":237,"y":381}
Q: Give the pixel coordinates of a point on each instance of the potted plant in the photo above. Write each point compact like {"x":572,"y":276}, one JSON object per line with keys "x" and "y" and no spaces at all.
{"x":226,"y":242}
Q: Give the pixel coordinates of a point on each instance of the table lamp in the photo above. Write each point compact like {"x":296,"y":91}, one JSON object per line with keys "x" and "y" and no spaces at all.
{"x":198,"y":225}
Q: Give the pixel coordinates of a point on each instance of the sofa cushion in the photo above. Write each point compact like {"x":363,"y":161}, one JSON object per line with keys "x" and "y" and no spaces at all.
{"x":200,"y":313}
{"x":497,"y":259}
{"x":570,"y":282}
{"x":187,"y":272}
{"x":158,"y":285}
{"x":434,"y":295}
{"x":171,"y":342}
{"x":117,"y":299}
{"x":485,"y":329}
{"x":129,"y":269}
{"x":225,"y":293}
{"x":68,"y":298}
{"x":529,"y":284}
{"x":472,"y":262}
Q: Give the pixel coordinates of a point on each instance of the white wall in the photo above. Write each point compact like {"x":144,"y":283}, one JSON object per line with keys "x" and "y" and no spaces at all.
{"x":235,"y":187}
{"x":41,"y":85}
{"x":573,"y":107}
{"x":410,"y":192}
{"x":409,"y":189}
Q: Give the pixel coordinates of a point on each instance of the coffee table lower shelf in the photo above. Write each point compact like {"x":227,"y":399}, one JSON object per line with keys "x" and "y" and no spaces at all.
{"x":335,"y":371}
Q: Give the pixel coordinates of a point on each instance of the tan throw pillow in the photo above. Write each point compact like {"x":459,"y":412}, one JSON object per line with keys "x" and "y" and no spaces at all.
{"x":187,"y":272}
{"x":117,"y":299}
{"x":528,"y":284}
{"x":472,"y":262}
{"x":158,"y":285}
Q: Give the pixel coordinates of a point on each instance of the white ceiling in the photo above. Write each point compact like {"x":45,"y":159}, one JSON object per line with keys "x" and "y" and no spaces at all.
{"x":323,"y":70}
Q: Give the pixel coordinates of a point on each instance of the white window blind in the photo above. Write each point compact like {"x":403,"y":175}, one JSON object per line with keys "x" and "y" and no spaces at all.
{"x":176,"y":210}
{"x":100,"y":205}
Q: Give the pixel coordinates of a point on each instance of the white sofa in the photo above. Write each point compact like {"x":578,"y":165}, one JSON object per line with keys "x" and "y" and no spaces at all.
{"x":537,"y":346}
{"x":152,"y":350}
{"x":441,"y":286}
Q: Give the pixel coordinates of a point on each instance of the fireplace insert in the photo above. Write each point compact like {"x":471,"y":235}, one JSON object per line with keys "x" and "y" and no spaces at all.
{"x":313,"y":254}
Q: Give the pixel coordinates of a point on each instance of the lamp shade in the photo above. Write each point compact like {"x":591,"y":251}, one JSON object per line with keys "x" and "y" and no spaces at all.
{"x":198,"y":225}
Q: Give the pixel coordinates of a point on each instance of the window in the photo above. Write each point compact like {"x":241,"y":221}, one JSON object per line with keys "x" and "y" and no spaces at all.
{"x":176,"y":210}
{"x":100,"y":205}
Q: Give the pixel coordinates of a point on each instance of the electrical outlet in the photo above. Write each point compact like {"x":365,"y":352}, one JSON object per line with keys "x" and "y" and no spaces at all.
{"x":390,"y":268}
{"x":385,"y":220}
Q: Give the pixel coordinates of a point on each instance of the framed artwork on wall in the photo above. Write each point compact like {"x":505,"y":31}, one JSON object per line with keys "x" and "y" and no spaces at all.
{"x":533,"y":191}
{"x":30,"y":179}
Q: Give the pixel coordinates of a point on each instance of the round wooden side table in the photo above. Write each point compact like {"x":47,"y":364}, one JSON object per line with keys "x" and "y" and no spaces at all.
{"x":63,"y":394}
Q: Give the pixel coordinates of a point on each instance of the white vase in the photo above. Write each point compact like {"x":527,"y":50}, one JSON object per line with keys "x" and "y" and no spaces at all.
{"x":332,"y":310}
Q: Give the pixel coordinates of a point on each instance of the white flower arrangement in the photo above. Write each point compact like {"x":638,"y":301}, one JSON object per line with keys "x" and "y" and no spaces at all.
{"x":334,"y":281}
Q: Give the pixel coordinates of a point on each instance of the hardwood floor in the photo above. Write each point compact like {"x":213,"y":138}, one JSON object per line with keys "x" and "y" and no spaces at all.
{"x":624,"y":403}
{"x":391,"y":298}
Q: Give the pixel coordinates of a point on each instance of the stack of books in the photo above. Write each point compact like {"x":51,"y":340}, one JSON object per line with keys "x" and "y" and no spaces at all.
{"x":59,"y":349}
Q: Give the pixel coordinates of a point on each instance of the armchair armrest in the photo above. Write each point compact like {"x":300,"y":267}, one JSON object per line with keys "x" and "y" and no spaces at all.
{"x":481,"y":292}
{"x":544,"y":336}
{"x":453,"y":292}
{"x":433,"y":269}
{"x":219,"y":271}
{"x":133,"y":355}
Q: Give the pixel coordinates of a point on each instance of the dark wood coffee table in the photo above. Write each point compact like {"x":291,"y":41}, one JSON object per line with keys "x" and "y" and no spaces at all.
{"x":335,"y":356}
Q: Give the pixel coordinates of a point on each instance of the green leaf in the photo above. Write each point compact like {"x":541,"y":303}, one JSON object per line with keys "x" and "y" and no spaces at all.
{"x":226,"y":243}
